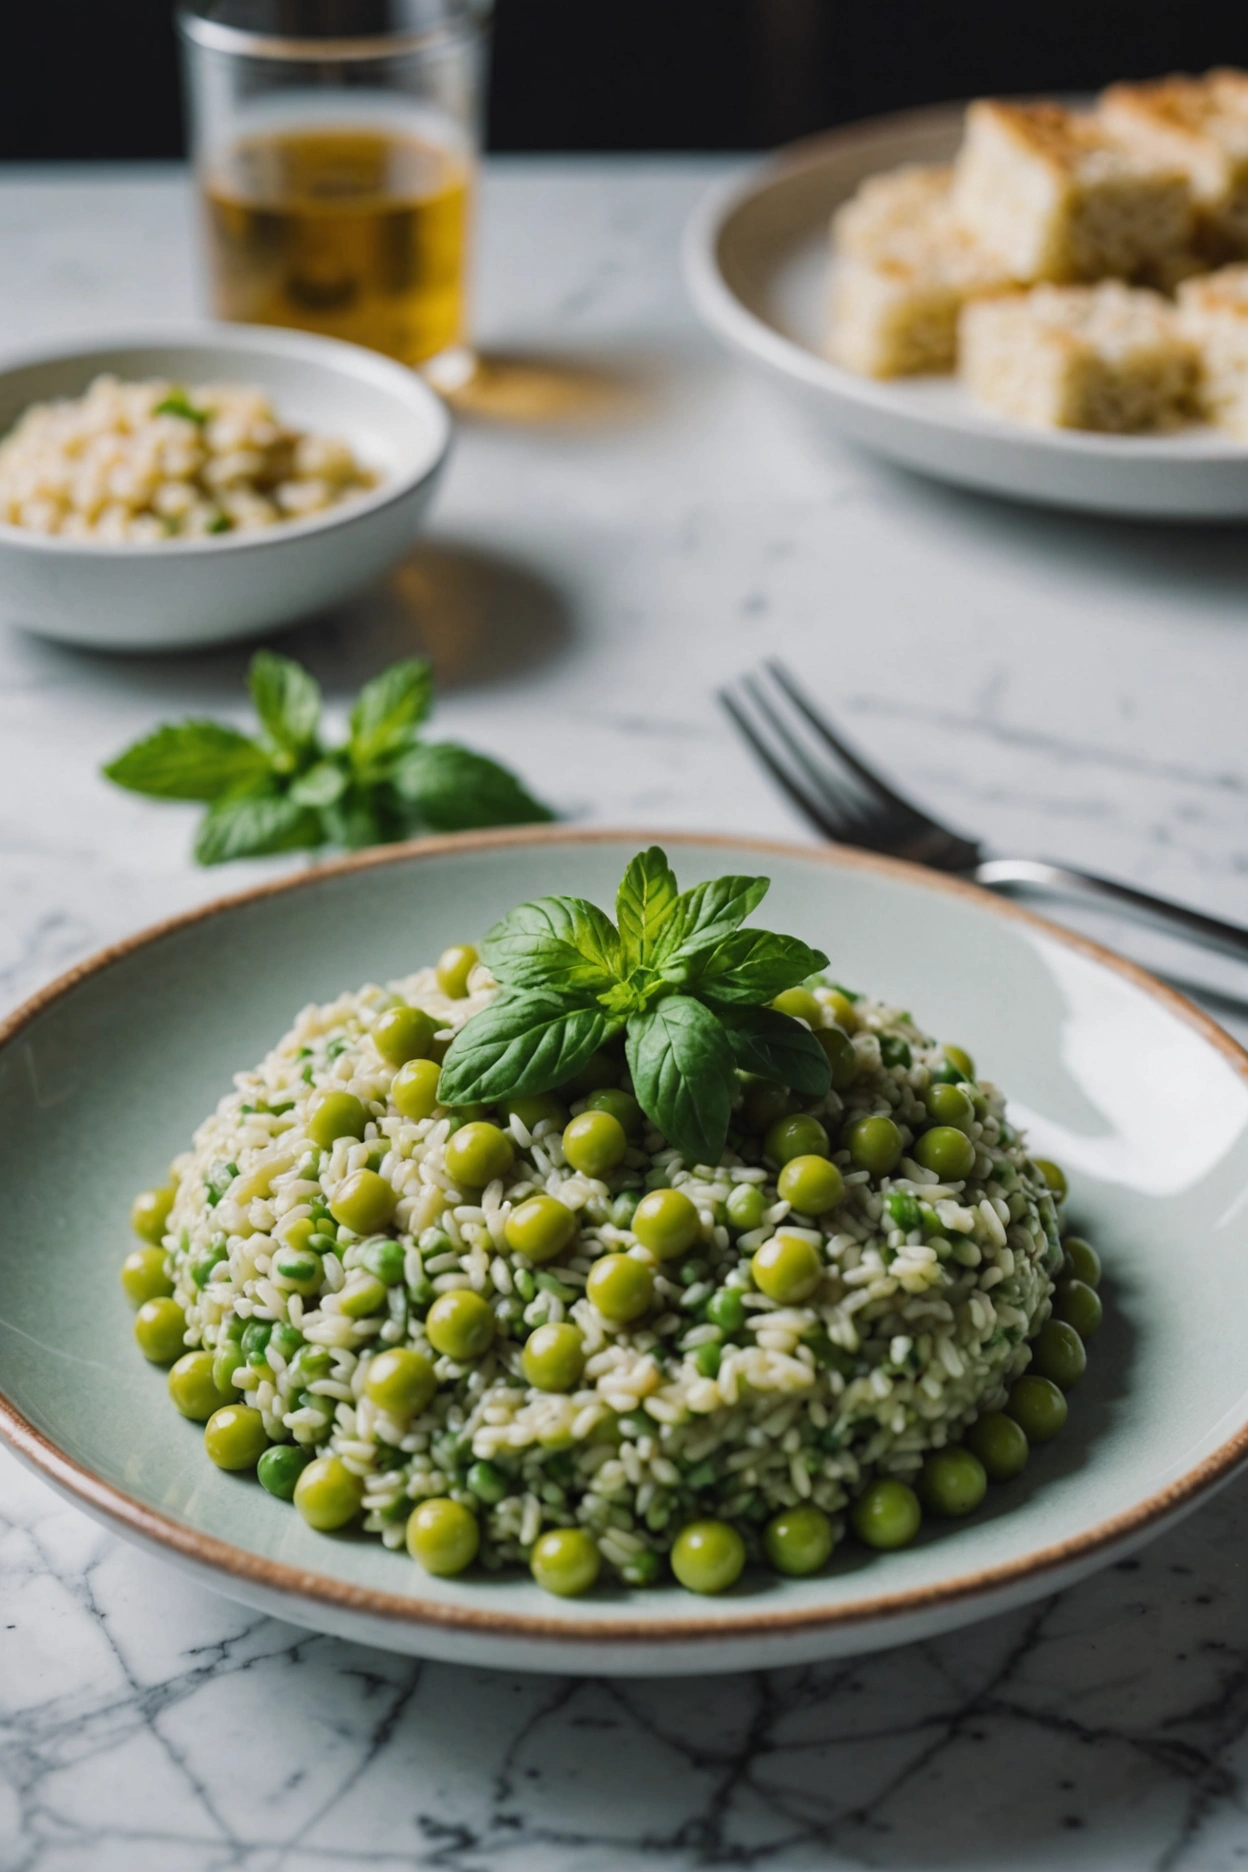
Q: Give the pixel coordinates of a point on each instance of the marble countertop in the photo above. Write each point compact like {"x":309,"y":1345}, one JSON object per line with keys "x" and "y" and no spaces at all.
{"x":632,"y":519}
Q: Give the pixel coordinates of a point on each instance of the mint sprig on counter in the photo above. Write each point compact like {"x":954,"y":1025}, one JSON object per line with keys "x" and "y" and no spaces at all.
{"x":287,"y":790}
{"x":675,"y":973}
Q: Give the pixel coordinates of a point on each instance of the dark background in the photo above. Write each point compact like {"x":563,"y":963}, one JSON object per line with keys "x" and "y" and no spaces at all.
{"x":98,"y":78}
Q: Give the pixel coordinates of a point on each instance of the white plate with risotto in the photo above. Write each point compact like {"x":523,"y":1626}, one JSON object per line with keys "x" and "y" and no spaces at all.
{"x":757,"y":266}
{"x":519,"y":1380}
{"x":167,"y":490}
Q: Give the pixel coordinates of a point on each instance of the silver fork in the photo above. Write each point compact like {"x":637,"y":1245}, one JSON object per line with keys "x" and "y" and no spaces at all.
{"x":847,"y":800}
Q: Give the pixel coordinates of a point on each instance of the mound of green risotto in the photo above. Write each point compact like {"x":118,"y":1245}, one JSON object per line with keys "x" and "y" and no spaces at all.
{"x":636,"y":1245}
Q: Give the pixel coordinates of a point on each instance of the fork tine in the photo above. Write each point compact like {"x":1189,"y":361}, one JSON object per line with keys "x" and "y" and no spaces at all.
{"x":878,"y":787}
{"x":822,"y":821}
{"x":859,"y":822}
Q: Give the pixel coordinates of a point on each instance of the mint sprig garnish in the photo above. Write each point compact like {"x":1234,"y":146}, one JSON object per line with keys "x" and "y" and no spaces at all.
{"x":285,"y":789}
{"x":676,"y":974}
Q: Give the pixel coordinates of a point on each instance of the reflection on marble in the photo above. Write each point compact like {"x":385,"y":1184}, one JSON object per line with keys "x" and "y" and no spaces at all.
{"x":633,"y":517}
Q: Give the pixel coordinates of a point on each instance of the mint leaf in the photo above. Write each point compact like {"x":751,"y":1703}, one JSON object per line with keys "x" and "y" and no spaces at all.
{"x":706,"y":915}
{"x":254,"y":824}
{"x":751,"y":966}
{"x":451,"y":789}
{"x":684,"y":1075}
{"x":191,"y":760}
{"x":777,"y":1048}
{"x":561,"y":943}
{"x":645,"y":901}
{"x":519,"y":1044}
{"x":177,"y":403}
{"x":287,"y":699}
{"x":321,"y":785}
{"x":388,"y":710}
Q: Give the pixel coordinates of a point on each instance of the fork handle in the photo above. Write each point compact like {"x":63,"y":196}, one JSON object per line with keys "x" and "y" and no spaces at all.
{"x":1066,"y":882}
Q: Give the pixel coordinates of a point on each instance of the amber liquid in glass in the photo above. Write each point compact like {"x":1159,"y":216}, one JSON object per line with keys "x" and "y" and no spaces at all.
{"x":360,"y":234}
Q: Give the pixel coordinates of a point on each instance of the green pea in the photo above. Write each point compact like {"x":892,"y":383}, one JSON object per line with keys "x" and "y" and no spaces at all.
{"x":620,"y":1287}
{"x":332,"y":1115}
{"x":143,"y":1276}
{"x":565,"y":1561}
{"x":594,"y":1143}
{"x":666,"y":1223}
{"x":149,"y":1213}
{"x":299,"y":1268}
{"x":841,"y":1057}
{"x":540,"y":1227}
{"x":1080,"y":1306}
{"x":203,"y":1265}
{"x":764,"y":1104}
{"x":621,"y":1106}
{"x":1037,"y":1407}
{"x":1001,"y":1445}
{"x":235,"y":1437}
{"x":384,"y":1258}
{"x":706,"y":1359}
{"x":280,"y":1468}
{"x":949,"y":1153}
{"x":1053,"y":1176}
{"x":193,"y":1388}
{"x":160,"y":1328}
{"x":460,"y":1325}
{"x":726,"y":1309}
{"x":886,"y":1515}
{"x":414,"y":1090}
{"x":487,"y":1483}
{"x":840,"y":1006}
{"x":952,"y":1481}
{"x":949,"y":1105}
{"x":541,"y":1108}
{"x":554,"y":1357}
{"x":365,"y":1202}
{"x":455,"y":965}
{"x":745,"y":1207}
{"x":708,"y":1556}
{"x":1082,"y":1261}
{"x":875,"y":1145}
{"x":477,"y":1154}
{"x":255,"y":1340}
{"x":624,"y":1208}
{"x":327,"y":1495}
{"x":443,"y":1536}
{"x":787,"y":1269}
{"x":400,"y":1382}
{"x":903,"y":1209}
{"x":812,"y":1184}
{"x":310,"y":1363}
{"x":798,"y":1136}
{"x":226,"y":1361}
{"x":362,"y":1296}
{"x":402,"y":1034}
{"x":798,"y":1541}
{"x":959,"y":1057}
{"x":799,"y":1004}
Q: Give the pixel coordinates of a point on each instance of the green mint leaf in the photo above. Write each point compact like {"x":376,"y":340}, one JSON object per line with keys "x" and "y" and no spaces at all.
{"x":287,"y":699}
{"x":191,"y":760}
{"x":777,"y":1048}
{"x":520,"y":1044}
{"x":751,"y":966}
{"x":322,"y":785}
{"x":252,"y":825}
{"x":706,"y":915}
{"x":684,"y":1075}
{"x":451,"y":789}
{"x":561,"y":943}
{"x":177,"y":403}
{"x":646,"y":899}
{"x":387,"y":712}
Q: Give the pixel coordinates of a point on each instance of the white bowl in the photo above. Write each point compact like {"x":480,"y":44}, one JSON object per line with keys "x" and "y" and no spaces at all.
{"x":757,"y":265}
{"x":181,"y":593}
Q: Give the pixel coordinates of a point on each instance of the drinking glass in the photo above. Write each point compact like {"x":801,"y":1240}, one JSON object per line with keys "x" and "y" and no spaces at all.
{"x":335,"y":145}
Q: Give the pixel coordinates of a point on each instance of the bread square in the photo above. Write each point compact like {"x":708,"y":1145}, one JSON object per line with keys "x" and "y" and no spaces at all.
{"x":1200,"y":124}
{"x":903,"y":270}
{"x":1058,"y":197}
{"x":1108,"y":357}
{"x":1213,"y":315}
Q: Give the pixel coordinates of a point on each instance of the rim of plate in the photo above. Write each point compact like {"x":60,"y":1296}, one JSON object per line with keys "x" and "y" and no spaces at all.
{"x":402,"y":385}
{"x":728,"y":315}
{"x":213,"y":1552}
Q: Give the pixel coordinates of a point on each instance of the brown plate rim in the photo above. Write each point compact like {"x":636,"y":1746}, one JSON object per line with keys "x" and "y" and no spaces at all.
{"x":209,"y":1551}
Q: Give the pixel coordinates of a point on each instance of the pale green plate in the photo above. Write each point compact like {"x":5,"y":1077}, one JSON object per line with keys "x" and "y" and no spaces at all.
{"x":1145,"y":1102}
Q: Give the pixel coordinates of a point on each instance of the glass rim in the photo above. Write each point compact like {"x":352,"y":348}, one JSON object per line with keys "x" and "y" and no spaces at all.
{"x":215,"y":36}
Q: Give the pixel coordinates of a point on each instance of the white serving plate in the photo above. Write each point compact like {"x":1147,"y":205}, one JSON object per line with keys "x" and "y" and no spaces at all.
{"x":104,"y":1075}
{"x":756,"y":262}
{"x":181,"y":593}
